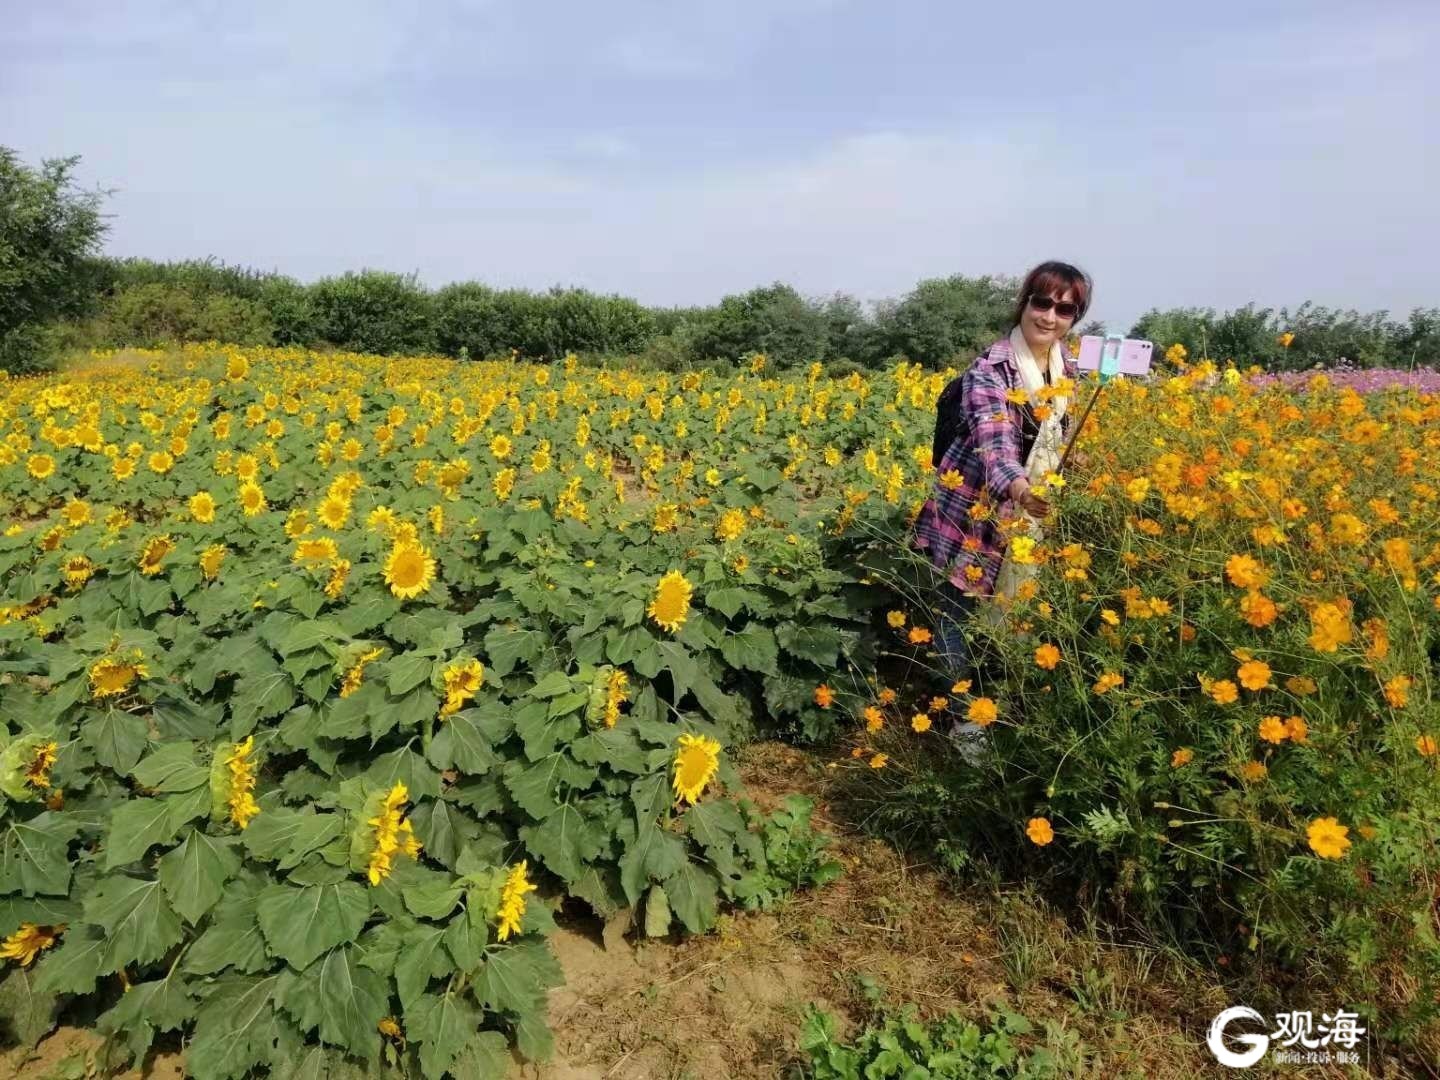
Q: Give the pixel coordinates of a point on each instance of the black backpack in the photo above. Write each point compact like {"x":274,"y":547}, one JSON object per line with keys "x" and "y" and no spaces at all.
{"x":951,"y":424}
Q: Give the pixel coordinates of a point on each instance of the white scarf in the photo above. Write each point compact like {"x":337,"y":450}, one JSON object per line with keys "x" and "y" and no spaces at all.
{"x":1044,"y":458}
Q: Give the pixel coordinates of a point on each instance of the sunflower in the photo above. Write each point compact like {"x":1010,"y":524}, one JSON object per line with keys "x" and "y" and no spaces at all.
{"x":409,"y":570}
{"x":671,"y":603}
{"x":202,"y":507}
{"x":154,"y":552}
{"x":252,"y":498}
{"x":319,"y":550}
{"x":210,"y":560}
{"x":334,"y":511}
{"x":697,"y":759}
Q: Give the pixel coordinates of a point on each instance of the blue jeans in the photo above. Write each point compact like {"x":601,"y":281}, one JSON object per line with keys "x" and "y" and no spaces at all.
{"x":955,"y":611}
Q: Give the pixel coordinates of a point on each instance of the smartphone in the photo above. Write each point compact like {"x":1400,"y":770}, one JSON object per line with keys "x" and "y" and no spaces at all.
{"x":1115,"y":355}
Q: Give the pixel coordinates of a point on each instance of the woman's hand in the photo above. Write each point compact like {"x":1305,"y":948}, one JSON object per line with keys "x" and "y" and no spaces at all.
{"x":1034,"y":505}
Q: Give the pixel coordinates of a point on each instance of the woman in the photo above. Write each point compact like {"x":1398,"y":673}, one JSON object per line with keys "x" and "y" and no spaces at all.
{"x":998,"y":434}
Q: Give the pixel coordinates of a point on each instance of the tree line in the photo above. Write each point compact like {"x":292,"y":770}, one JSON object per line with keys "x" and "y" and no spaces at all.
{"x":58,"y":293}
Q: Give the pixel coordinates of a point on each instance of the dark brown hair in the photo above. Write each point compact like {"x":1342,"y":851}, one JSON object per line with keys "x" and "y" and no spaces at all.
{"x":1052,"y":277}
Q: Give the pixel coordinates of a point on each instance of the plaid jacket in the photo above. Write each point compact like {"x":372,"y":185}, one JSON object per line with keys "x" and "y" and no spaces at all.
{"x":957,"y":527}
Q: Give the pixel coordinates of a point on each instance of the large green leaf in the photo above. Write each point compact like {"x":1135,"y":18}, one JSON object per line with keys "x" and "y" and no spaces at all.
{"x":342,"y":998}
{"x":40,"y":910}
{"x":463,"y":744}
{"x":135,"y":825}
{"x":140,"y":925}
{"x":407,"y":672}
{"x":259,"y":697}
{"x":715,"y":825}
{"x":236,"y":1029}
{"x":34,"y":855}
{"x":563,"y":841}
{"x":654,"y":854}
{"x":233,"y":938}
{"x":443,"y":1024}
{"x":172,"y":768}
{"x":404,"y":766}
{"x":147,"y":1007}
{"x":28,"y":1013}
{"x":422,"y":959}
{"x":693,"y":892}
{"x":194,"y":874}
{"x":814,"y":642}
{"x":300,"y":924}
{"x":444,"y":829}
{"x":752,"y":648}
{"x":507,"y":648}
{"x":117,"y":737}
{"x":74,"y":965}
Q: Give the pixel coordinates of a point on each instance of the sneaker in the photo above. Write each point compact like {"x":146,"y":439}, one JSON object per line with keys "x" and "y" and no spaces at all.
{"x":971,"y":740}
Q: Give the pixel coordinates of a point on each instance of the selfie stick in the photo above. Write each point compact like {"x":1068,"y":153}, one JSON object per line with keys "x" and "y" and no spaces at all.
{"x":1109,"y":365}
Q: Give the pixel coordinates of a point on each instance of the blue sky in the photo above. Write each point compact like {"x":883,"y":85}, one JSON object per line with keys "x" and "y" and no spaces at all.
{"x":1207,"y":154}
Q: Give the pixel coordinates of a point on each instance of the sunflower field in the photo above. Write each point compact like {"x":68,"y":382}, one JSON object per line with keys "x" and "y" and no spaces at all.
{"x":325,"y":677}
{"x":315,"y":668}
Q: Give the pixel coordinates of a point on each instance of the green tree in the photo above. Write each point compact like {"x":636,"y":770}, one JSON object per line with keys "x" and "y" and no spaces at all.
{"x":50,"y":232}
{"x":948,"y":320}
{"x":156,"y":313}
{"x":773,"y":319}
{"x":375,"y":312}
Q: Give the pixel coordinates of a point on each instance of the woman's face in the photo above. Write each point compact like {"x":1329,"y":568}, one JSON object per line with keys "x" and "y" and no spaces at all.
{"x":1043,"y":328}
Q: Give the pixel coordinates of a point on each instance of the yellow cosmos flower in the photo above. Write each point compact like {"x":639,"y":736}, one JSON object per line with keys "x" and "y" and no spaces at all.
{"x":982,"y":711}
{"x":1181,"y":757}
{"x":824,"y":696}
{"x":1254,"y":675}
{"x":1328,"y":838}
{"x":697,"y":759}
{"x":1047,"y":656}
{"x":920,"y":723}
{"x":1108,"y":681}
{"x":1039,"y":830}
{"x":896,"y":619}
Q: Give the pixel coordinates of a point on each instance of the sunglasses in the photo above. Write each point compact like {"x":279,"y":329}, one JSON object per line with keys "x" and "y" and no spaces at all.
{"x":1064,"y":308}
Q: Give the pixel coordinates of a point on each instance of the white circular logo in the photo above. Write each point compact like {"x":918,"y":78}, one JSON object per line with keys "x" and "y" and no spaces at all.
{"x":1257,"y":1044}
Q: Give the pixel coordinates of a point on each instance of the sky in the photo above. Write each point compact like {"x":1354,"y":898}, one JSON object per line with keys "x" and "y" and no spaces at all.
{"x":1206,"y":154}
